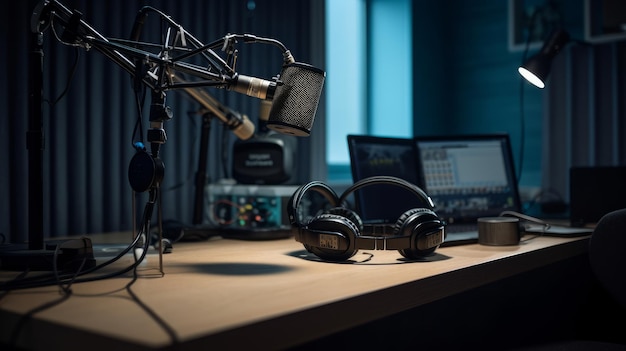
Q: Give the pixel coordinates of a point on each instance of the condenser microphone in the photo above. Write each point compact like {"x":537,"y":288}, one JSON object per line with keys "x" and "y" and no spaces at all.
{"x":296,"y":98}
{"x":240,"y":125}
{"x":252,"y":86}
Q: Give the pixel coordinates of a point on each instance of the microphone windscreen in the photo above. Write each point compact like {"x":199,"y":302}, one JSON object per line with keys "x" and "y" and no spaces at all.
{"x":296,"y":98}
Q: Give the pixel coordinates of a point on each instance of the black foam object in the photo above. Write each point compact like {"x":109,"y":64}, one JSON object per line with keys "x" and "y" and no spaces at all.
{"x":264,"y":159}
{"x":145,"y":171}
{"x":606,"y":254}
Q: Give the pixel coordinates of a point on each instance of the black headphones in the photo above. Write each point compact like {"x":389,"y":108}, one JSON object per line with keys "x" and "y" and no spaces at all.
{"x":338,"y":233}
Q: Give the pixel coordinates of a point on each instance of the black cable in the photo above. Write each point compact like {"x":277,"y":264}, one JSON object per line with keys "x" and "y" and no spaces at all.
{"x":192,"y":146}
{"x":69,"y":80}
{"x":140,"y":102}
{"x":224,"y":148}
{"x":522,"y":133}
{"x":65,"y":290}
{"x":538,"y":198}
{"x":53,"y":278}
{"x":47,"y":279}
{"x":154,"y":196}
{"x":521,"y":98}
{"x":26,"y":317}
{"x":4,"y":293}
{"x":527,"y":218}
{"x":168,"y":329}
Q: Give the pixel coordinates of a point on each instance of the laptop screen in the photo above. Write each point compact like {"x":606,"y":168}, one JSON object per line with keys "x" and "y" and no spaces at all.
{"x":376,"y":156}
{"x":468,"y":176}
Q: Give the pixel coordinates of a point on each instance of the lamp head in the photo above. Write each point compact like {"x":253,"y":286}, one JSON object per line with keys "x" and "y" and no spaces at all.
{"x":537,"y":68}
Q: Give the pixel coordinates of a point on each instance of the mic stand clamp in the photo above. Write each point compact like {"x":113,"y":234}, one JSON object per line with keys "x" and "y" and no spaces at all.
{"x":159,"y":113}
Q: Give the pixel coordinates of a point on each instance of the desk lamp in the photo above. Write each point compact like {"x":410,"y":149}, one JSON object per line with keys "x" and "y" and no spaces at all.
{"x":537,"y":67}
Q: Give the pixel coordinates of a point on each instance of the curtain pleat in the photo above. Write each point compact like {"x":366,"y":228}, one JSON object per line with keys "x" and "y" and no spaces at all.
{"x":584,"y":119}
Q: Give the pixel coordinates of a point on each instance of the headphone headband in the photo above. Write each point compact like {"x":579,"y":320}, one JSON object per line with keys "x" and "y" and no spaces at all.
{"x":392,"y":181}
{"x":335,"y":200}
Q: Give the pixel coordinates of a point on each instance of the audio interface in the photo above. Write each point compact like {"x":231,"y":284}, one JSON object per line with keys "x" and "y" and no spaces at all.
{"x":248,"y":207}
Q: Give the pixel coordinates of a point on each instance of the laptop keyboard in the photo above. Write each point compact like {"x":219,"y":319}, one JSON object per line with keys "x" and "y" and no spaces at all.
{"x":461,"y":234}
{"x":462,"y":227}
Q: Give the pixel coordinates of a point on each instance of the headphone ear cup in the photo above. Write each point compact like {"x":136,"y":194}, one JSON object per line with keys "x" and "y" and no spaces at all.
{"x":406,"y":225}
{"x":349,"y":214}
{"x":335,"y":223}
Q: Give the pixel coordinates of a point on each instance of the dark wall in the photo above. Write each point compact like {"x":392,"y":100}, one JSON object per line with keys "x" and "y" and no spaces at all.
{"x":466,"y":78}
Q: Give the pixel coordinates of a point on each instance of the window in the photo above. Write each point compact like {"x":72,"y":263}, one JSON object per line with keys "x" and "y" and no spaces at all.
{"x":368,"y":75}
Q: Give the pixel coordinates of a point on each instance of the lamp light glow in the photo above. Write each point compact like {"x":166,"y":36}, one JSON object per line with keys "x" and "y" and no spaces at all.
{"x":537,"y":68}
{"x":531,"y":77}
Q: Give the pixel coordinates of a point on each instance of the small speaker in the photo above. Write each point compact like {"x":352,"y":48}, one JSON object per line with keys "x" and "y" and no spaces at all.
{"x":296,"y":98}
{"x":498,"y":231}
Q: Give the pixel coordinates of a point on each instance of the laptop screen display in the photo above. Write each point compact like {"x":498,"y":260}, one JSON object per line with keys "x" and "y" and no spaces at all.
{"x":383,"y":156}
{"x":469,"y":176}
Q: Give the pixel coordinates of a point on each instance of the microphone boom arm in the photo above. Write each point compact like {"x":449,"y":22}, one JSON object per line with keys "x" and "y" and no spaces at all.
{"x":163,"y":71}
{"x":125,"y":56}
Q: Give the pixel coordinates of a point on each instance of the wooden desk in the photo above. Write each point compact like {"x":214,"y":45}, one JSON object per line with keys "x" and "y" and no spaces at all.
{"x":244,"y":294}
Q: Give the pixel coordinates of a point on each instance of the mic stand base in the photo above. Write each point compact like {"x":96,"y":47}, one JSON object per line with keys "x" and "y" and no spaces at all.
{"x":70,"y":255}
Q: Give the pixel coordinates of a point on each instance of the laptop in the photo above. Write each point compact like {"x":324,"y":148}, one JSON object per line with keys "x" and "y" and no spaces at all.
{"x":468,"y":177}
{"x":383,"y":156}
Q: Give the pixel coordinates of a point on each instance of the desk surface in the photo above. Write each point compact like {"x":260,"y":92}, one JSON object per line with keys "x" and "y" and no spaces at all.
{"x":250,"y":293}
